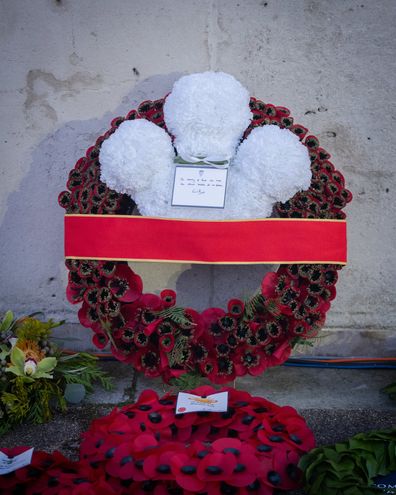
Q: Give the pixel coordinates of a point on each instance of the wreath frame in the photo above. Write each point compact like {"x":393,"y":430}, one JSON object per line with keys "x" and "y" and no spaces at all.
{"x":158,"y":338}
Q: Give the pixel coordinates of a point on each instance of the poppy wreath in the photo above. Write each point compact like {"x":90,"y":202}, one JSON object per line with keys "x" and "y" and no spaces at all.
{"x":155,"y":336}
{"x":253,"y":447}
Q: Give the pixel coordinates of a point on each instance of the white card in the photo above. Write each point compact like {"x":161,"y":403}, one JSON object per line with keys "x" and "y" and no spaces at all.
{"x":192,"y":403}
{"x":10,"y":464}
{"x":199,"y":186}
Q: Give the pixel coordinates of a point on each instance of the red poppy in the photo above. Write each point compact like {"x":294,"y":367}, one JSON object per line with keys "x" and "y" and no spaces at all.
{"x":147,"y":302}
{"x":166,"y":342}
{"x":157,"y":466}
{"x":120,"y":352}
{"x":208,"y":366}
{"x":168,"y":297}
{"x":210,"y":319}
{"x":296,"y":431}
{"x":247,"y":467}
{"x":107,"y":268}
{"x":152,"y":327}
{"x":268,"y":285}
{"x":97,"y":487}
{"x":123,"y":464}
{"x":252,"y":361}
{"x":226,"y":371}
{"x":100,"y":340}
{"x":139,"y":337}
{"x":147,"y":360}
{"x":216,"y":467}
{"x":236,"y":307}
{"x":74,"y":293}
{"x":280,"y":354}
{"x":125,"y":284}
{"x":184,"y":470}
{"x":88,"y":315}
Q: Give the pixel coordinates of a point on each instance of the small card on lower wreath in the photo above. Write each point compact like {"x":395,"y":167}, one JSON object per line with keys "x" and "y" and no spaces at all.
{"x":194,"y":403}
{"x":10,"y":464}
{"x":204,"y":187}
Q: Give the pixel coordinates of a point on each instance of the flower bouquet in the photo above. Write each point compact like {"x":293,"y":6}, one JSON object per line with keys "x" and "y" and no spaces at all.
{"x":35,"y":372}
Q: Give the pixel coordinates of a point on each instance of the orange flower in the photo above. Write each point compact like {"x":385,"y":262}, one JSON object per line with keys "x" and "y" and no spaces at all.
{"x":31,"y":350}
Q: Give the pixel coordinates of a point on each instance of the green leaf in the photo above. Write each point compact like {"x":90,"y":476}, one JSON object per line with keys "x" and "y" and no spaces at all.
{"x":42,"y":374}
{"x":14,"y":369}
{"x":348,"y":468}
{"x":46,"y":364}
{"x":82,"y":368}
{"x":7,"y":321}
{"x":75,"y":371}
{"x":17,"y":357}
{"x":188,"y":381}
{"x":68,"y":357}
{"x":5,"y":351}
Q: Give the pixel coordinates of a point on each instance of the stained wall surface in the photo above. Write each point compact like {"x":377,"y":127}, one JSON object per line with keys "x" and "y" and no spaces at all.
{"x":68,"y":68}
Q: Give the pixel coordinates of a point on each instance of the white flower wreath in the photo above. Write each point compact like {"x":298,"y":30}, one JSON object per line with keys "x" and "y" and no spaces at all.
{"x":207,"y":114}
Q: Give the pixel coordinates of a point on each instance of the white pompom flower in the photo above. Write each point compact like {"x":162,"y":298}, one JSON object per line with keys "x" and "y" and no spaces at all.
{"x":274,"y":160}
{"x":207,"y":114}
{"x":136,"y":156}
{"x":244,"y":198}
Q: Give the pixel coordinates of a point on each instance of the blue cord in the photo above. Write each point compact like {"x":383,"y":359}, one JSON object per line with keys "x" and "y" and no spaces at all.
{"x":306,"y":363}
{"x":368,"y":366}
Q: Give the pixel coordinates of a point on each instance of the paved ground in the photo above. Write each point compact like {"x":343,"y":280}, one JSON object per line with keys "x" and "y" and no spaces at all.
{"x":336,"y":404}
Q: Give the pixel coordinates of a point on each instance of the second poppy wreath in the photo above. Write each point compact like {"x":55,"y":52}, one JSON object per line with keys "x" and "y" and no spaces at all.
{"x":209,"y":121}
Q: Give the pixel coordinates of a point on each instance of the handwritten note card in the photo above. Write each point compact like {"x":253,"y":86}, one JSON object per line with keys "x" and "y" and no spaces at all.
{"x":204,"y":187}
{"x":191,"y":403}
{"x":8,"y":465}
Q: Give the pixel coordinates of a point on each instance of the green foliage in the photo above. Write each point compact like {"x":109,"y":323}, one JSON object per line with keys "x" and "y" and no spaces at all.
{"x":303,"y":342}
{"x":5,"y":351}
{"x":390,"y":390}
{"x":348,"y":468}
{"x":32,"y":329}
{"x":7,"y":322}
{"x":177,"y":315}
{"x":254,"y":305}
{"x":32,"y":402}
{"x":178,"y":354}
{"x":82,"y":368}
{"x":188,"y":381}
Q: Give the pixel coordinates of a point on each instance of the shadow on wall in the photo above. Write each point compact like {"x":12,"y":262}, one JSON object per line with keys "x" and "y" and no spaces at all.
{"x":205,"y":286}
{"x":31,"y":258}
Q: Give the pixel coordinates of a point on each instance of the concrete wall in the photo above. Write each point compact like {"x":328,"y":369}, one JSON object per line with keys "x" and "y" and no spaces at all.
{"x":69,"y":67}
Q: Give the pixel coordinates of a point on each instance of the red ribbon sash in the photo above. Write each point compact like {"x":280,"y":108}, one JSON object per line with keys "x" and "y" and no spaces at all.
{"x":270,"y":240}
